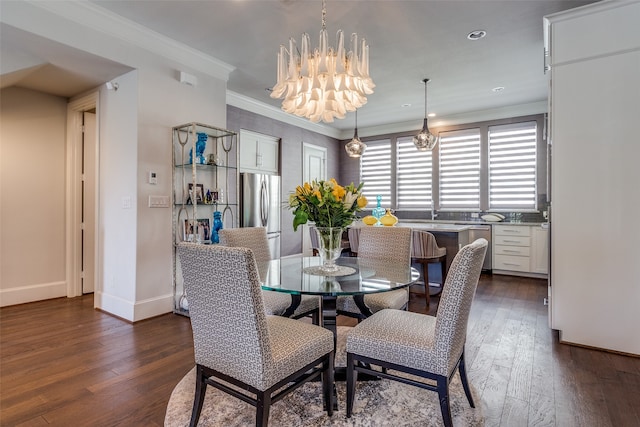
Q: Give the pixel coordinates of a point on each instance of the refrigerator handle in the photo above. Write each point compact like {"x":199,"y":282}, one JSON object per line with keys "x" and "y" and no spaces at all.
{"x":264,"y":203}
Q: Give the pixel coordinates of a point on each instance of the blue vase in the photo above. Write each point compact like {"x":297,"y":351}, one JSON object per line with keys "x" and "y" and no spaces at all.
{"x":217,"y":225}
{"x":378,"y":212}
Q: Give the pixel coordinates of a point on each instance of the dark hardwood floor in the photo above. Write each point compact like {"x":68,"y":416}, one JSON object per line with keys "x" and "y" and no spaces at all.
{"x":65,"y":364}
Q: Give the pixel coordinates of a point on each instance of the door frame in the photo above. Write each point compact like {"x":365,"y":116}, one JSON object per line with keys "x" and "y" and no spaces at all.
{"x":73,"y":191}
{"x":306,"y":239}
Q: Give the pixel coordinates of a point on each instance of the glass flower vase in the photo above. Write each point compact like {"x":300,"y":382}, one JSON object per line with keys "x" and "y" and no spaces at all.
{"x":330,"y":239}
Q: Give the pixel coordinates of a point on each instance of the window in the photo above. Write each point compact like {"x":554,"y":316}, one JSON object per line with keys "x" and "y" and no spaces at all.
{"x":512,"y":166}
{"x":413,"y":177}
{"x":375,"y":172}
{"x":460,"y":169}
{"x":490,"y":166}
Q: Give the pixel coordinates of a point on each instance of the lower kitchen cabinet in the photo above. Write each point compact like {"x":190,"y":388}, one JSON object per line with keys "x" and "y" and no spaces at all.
{"x":520,"y":250}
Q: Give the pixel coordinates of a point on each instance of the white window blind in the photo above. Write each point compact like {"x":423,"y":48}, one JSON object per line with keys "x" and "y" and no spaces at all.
{"x":460,"y":169}
{"x":375,"y":172}
{"x":512,"y":166}
{"x":413,"y":176}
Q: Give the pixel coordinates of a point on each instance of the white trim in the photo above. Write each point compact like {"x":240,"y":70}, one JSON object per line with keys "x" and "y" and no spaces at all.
{"x":24,"y":294}
{"x":133,"y":312}
{"x":73,"y":238}
{"x":245,"y":103}
{"x":112,"y":25}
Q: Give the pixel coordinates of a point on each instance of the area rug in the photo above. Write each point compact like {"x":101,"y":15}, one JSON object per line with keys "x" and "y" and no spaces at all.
{"x":378,"y":403}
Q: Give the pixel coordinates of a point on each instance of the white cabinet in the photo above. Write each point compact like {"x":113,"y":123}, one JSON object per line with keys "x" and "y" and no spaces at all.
{"x":539,"y":250}
{"x":594,"y":58}
{"x":519,"y":249}
{"x":258,"y":152}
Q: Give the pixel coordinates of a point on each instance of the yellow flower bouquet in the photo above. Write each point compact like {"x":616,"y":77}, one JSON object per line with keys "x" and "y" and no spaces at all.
{"x":326,"y":203}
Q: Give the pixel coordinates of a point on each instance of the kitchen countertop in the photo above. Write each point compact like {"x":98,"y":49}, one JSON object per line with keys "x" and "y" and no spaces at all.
{"x":468,"y":223}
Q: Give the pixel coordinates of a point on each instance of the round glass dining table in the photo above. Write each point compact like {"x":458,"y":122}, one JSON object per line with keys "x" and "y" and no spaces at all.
{"x":358,"y":277}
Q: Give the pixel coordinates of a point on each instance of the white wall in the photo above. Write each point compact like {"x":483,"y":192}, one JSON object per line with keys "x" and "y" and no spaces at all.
{"x":32,"y":196}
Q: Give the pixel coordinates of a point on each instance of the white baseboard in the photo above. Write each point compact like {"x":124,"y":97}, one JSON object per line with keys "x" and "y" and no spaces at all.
{"x":134,"y":311}
{"x":31,"y":293}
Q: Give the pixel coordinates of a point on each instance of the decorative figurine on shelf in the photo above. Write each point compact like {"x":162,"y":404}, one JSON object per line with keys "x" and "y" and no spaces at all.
{"x":217,"y":225}
{"x":201,"y":145}
{"x":378,"y":212}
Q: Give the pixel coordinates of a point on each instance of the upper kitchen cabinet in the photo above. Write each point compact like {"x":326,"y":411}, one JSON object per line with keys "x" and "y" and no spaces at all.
{"x":258,"y":152}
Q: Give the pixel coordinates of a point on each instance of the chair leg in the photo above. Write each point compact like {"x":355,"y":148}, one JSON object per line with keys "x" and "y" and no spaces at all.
{"x":443,"y":396}
{"x":425,"y":276}
{"x":352,"y":377}
{"x":198,"y":399}
{"x":443,"y":266}
{"x":328,"y":383}
{"x":263,"y":405}
{"x":315,"y":318}
{"x":462,"y":370}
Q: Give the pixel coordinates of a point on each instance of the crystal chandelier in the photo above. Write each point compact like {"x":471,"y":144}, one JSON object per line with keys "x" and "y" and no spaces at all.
{"x":326,"y":83}
{"x":425,"y":140}
{"x":355,"y":147}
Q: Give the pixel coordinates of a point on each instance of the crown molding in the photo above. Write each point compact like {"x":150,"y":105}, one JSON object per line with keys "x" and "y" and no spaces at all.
{"x":21,"y":14}
{"x":257,"y":107}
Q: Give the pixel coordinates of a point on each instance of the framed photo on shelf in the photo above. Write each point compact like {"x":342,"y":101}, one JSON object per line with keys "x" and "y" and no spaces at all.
{"x":199,"y":193}
{"x":203,"y":232}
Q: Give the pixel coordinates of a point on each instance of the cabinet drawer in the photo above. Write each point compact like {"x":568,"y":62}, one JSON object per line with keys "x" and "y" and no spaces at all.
{"x":512,"y":241}
{"x":513,"y":263}
{"x":512,"y":230}
{"x":512,"y":250}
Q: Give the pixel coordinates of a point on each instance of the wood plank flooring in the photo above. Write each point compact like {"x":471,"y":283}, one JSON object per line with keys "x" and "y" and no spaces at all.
{"x":63,"y":363}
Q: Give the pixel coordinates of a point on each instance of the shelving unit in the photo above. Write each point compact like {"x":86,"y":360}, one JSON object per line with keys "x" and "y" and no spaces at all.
{"x":205,"y":180}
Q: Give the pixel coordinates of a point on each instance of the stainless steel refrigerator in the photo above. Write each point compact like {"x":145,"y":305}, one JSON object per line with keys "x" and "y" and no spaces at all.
{"x":260,"y":206}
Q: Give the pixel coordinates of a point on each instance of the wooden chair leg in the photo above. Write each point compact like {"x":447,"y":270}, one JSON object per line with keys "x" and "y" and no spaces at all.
{"x":198,"y":400}
{"x":352,"y":377}
{"x":443,"y":266}
{"x":262,"y":408}
{"x":443,"y":396}
{"x":425,"y":276}
{"x":328,"y":384}
{"x":462,"y":370}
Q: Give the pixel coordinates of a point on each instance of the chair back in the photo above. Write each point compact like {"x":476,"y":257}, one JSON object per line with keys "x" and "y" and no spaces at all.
{"x":424,"y":245}
{"x":390,"y":243}
{"x":455,"y":302}
{"x":254,"y":238}
{"x":354,"y":239}
{"x":227,"y":313}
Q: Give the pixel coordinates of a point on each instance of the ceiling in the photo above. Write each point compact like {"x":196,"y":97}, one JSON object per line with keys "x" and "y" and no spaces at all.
{"x":408,"y":41}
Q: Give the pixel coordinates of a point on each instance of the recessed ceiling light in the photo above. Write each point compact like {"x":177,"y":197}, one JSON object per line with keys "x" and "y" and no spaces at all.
{"x":498,"y":89}
{"x":476,"y":34}
{"x":405,"y":105}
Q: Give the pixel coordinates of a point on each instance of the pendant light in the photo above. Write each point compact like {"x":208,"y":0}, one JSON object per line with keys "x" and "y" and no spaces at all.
{"x":425,"y":140}
{"x":355,"y":147}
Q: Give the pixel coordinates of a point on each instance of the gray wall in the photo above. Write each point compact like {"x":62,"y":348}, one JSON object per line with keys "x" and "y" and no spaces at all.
{"x":290,"y":162}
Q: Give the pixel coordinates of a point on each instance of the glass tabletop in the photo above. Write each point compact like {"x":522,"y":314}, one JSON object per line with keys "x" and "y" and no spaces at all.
{"x":368,"y":276}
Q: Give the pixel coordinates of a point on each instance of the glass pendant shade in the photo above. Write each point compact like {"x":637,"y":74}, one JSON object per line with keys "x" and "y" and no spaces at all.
{"x":325,"y":83}
{"x":425,"y":140}
{"x":355,"y":147}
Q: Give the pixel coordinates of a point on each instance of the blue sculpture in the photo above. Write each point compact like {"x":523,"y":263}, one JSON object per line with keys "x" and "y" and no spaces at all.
{"x":201,"y":145}
{"x":378,"y":211}
{"x":217,"y":225}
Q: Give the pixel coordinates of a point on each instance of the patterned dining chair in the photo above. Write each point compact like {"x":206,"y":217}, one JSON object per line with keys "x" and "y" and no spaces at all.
{"x":419,"y":344}
{"x":388,"y":243}
{"x":236,"y":342}
{"x":275,"y":303}
{"x":425,"y":251}
{"x":354,"y":240}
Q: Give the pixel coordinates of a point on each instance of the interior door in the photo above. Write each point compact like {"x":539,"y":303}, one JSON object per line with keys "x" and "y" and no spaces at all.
{"x":314,"y":167}
{"x":89,"y":151}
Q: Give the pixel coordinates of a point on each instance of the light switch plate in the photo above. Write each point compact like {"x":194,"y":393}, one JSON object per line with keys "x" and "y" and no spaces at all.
{"x":158,"y":201}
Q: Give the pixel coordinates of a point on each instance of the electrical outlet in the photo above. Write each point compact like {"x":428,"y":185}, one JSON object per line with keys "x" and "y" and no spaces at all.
{"x":545,"y":214}
{"x":474,"y":215}
{"x":126,"y":202}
